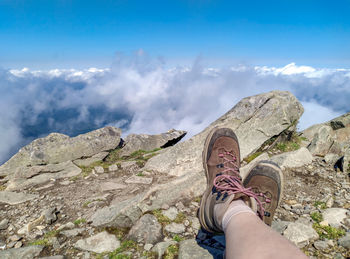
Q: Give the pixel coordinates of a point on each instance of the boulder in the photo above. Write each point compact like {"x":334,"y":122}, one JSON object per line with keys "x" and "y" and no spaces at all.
{"x":161,"y":247}
{"x":134,"y":142}
{"x":301,"y":235}
{"x":334,"y":216}
{"x":189,"y":249}
{"x":57,"y":148}
{"x":322,"y":141}
{"x":293,"y":159}
{"x":25,"y":177}
{"x":345,"y":241}
{"x":99,"y":243}
{"x":13,"y":198}
{"x":146,"y":230}
{"x":254,"y":119}
{"x":27,"y":252}
{"x":175,"y":228}
{"x":88,"y":161}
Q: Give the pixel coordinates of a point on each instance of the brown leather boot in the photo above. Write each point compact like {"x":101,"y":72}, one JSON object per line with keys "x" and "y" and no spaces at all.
{"x":221,"y":162}
{"x":266,"y":181}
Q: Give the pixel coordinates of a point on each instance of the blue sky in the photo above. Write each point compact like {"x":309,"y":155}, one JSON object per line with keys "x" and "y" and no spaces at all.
{"x":43,"y":34}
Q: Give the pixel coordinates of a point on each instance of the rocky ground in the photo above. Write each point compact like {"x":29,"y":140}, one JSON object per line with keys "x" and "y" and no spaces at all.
{"x":132,"y":203}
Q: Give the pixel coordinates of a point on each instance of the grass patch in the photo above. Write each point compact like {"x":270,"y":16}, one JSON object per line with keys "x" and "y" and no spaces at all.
{"x":287,"y":146}
{"x":52,"y":233}
{"x":171,"y":252}
{"x":325,"y":232}
{"x":320,"y":204}
{"x":40,"y":242}
{"x":178,"y":238}
{"x":140,"y":174}
{"x":120,"y":233}
{"x":86,"y":170}
{"x":74,"y":178}
{"x":164,"y":220}
{"x":86,"y":204}
{"x":252,"y":156}
{"x":79,"y":221}
{"x":2,"y":187}
{"x":125,"y":245}
{"x":316,"y":216}
{"x":328,"y":232}
{"x":150,"y":254}
{"x":180,"y":218}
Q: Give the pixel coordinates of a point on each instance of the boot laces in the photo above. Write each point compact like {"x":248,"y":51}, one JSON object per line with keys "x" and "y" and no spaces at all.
{"x":231,"y":184}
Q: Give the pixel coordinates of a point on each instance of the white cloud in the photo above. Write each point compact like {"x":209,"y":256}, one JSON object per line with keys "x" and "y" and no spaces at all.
{"x":142,"y":96}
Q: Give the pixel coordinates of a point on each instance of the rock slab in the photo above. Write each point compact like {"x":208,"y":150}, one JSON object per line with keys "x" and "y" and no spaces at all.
{"x":13,"y":198}
{"x":28,"y":252}
{"x":134,"y":142}
{"x":99,"y":243}
{"x":146,"y":230}
{"x":189,"y":249}
{"x":301,"y":235}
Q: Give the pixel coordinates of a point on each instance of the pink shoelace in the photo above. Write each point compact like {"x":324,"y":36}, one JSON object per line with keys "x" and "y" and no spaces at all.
{"x":232,"y":184}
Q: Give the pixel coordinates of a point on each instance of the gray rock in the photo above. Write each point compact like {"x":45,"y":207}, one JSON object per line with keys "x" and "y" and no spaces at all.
{"x":321,"y":245}
{"x":27,"y":252}
{"x":99,"y":243}
{"x":161,"y":247}
{"x":99,"y":169}
{"x":146,"y":230}
{"x":31,"y":176}
{"x":113,"y":168}
{"x":301,"y":235}
{"x":331,"y":158}
{"x":334,"y":216}
{"x":57,"y":148}
{"x":171,"y":213}
{"x":88,"y":161}
{"x":123,"y":214}
{"x":110,"y":186}
{"x":293,"y":159}
{"x":147,"y":247}
{"x":279,"y":226}
{"x":72,"y":232}
{"x":134,"y":142}
{"x":345,"y":241}
{"x":14,"y":198}
{"x":50,"y":215}
{"x":139,"y":180}
{"x":69,"y":225}
{"x":189,"y":249}
{"x":322,"y":141}
{"x":175,"y":228}
{"x":254,"y":119}
{"x":3,"y":224}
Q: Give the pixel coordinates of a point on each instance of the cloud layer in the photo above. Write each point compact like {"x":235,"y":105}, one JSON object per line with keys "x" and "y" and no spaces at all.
{"x":141,"y":95}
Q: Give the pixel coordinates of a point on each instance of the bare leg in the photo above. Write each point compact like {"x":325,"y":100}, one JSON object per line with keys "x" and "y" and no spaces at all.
{"x":249,"y":237}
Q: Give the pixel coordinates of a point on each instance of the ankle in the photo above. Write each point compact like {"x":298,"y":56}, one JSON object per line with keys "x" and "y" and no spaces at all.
{"x":236,"y":207}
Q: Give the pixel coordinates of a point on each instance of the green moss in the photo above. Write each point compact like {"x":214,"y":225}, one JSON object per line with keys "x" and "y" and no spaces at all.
{"x":74,"y":178}
{"x":178,"y":238}
{"x":125,"y":245}
{"x":164,"y":220}
{"x":320,"y":204}
{"x":150,"y":254}
{"x":113,"y":156}
{"x":171,"y":252}
{"x":120,"y":233}
{"x":180,"y":218}
{"x":252,"y":156}
{"x":328,"y":232}
{"x":53,"y":233}
{"x":79,"y":221}
{"x":316,"y":216}
{"x":40,"y":242}
{"x":140,"y":174}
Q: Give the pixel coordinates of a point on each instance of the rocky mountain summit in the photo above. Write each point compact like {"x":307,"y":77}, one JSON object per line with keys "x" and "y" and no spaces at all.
{"x":99,"y":196}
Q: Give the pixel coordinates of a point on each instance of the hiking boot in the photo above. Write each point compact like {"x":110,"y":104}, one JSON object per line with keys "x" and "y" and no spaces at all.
{"x":266,"y":181}
{"x":221,"y":162}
